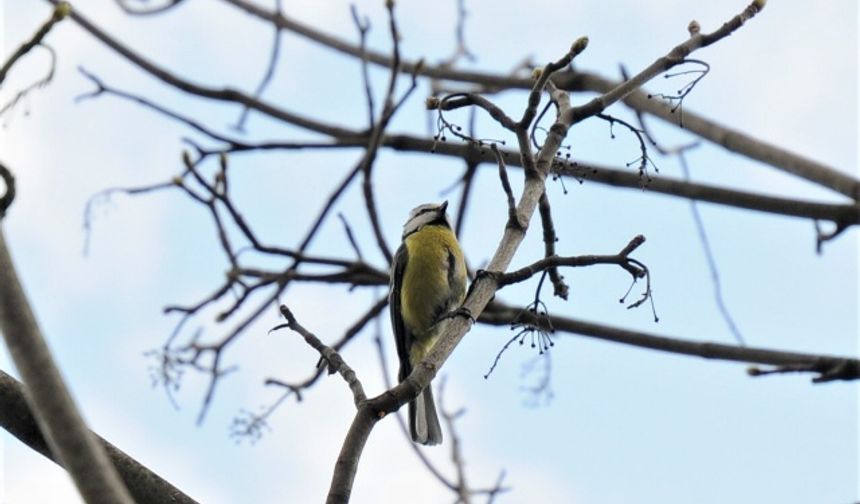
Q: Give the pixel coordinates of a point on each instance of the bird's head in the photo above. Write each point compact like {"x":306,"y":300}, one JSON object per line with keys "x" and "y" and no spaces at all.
{"x":426,"y":214}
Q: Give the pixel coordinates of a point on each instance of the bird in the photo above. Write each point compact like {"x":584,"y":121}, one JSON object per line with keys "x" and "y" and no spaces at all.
{"x":428,"y":284}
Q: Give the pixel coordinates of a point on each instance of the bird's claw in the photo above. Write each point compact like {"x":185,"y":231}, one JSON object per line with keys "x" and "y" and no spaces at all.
{"x":461,"y":312}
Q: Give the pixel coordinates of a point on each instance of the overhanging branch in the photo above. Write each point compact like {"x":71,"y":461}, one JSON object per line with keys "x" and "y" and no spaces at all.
{"x":144,"y":485}
{"x":826,"y":367}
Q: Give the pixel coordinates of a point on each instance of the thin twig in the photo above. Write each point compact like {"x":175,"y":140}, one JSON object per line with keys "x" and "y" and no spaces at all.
{"x":61,"y":11}
{"x":146,"y":11}
{"x":513,"y":219}
{"x":267,"y":76}
{"x":621,"y":259}
{"x":363,"y":26}
{"x":559,"y":286}
{"x":712,"y":261}
{"x":336,"y":364}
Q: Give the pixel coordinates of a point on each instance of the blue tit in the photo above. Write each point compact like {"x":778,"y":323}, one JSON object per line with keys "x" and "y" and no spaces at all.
{"x":428,"y":282}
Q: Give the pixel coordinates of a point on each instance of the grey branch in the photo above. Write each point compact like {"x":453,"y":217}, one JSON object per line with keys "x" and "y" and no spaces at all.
{"x":335,"y":362}
{"x":53,"y":406}
{"x":143,"y":484}
{"x":553,"y":261}
{"x":61,"y":10}
{"x":827,"y":367}
{"x":571,"y":80}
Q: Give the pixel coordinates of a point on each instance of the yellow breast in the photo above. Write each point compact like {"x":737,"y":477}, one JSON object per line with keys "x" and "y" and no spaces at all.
{"x":425,"y":292}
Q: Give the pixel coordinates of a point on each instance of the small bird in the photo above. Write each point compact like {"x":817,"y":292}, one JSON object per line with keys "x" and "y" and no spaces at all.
{"x":428,"y":282}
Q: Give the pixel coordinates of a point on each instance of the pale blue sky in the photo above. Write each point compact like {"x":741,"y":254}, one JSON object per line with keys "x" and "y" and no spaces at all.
{"x":625,"y":424}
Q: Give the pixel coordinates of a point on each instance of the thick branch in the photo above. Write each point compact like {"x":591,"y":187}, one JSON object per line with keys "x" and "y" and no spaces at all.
{"x":55,"y":410}
{"x":733,"y":140}
{"x":847,"y":213}
{"x":481,"y":291}
{"x":452,"y":330}
{"x":498,"y":313}
{"x":143,"y":484}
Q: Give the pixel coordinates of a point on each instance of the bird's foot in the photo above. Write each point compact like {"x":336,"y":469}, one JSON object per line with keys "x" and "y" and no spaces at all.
{"x":460,"y":312}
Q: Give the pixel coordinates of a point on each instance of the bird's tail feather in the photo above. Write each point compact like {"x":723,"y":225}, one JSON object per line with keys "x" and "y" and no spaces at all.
{"x":423,"y":420}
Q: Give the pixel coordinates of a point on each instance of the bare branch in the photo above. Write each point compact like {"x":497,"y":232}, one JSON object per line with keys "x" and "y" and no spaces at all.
{"x":484,"y":286}
{"x":336,"y":364}
{"x":680,"y":153}
{"x":61,"y":10}
{"x":542,"y":78}
{"x":729,"y":138}
{"x":462,"y":487}
{"x":847,"y":213}
{"x":460,"y":100}
{"x":50,"y":400}
{"x":513,"y":220}
{"x":547,"y":263}
{"x":673,"y":58}
{"x":500,"y":314}
{"x":363,"y":26}
{"x":105,"y":195}
{"x":126,"y":6}
{"x":38,"y":84}
{"x":376,"y":136}
{"x":8,"y":190}
{"x":822,"y":236}
{"x":570,"y":80}
{"x":560,"y":288}
{"x":846,"y":369}
{"x":225,"y":94}
{"x":143,"y":484}
{"x":252,"y":425}
{"x":712,"y":261}
{"x":267,"y":76}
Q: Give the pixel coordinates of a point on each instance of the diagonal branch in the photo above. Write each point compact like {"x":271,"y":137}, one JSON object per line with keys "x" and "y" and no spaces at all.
{"x":61,"y":10}
{"x":225,"y":94}
{"x":570,"y":80}
{"x":143,"y":484}
{"x":50,"y":400}
{"x":484,"y":287}
{"x":843,"y":215}
{"x":726,"y":137}
{"x":675,"y":57}
{"x":336,"y":364}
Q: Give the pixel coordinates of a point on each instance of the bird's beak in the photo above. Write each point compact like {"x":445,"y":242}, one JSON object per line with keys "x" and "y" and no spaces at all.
{"x":443,"y":206}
